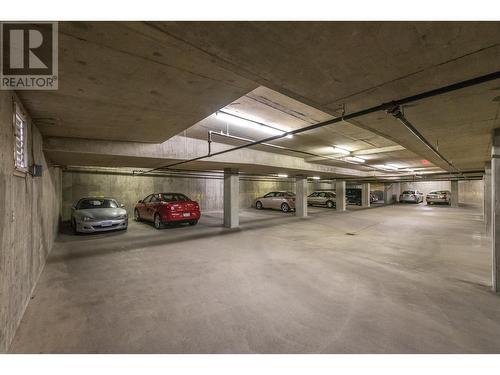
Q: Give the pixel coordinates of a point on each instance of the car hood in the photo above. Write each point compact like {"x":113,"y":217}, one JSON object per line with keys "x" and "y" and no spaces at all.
{"x":101,"y":213}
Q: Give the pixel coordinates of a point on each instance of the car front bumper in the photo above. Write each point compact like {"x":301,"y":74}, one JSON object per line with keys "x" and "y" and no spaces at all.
{"x":101,"y":225}
{"x":437,"y":200}
{"x":408,"y":199}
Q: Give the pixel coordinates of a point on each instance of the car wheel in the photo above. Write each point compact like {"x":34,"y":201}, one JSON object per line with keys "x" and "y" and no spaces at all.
{"x":329,"y":204}
{"x":157,"y":221}
{"x":194,"y":222}
{"x":285,"y":207}
{"x":258,"y":205}
{"x":137,"y":216}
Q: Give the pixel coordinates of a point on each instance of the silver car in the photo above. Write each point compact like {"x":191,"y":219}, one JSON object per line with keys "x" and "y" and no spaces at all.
{"x":411,"y":196}
{"x":322,"y":198}
{"x":91,"y":215}
{"x":438,"y":196}
{"x":281,"y":200}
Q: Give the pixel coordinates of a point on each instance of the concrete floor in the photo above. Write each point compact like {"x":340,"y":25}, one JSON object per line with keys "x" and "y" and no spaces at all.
{"x":395,"y":279}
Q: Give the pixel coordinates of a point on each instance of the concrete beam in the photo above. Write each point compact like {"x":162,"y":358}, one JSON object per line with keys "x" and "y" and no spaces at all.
{"x":495,"y":215}
{"x":301,"y":196}
{"x":83,"y":152}
{"x":340,"y":203}
{"x":454,"y":193}
{"x":365,"y":195}
{"x":231,"y":198}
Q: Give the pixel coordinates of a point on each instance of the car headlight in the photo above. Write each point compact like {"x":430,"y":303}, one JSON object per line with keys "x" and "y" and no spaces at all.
{"x":121,"y":217}
{"x":86,"y":218}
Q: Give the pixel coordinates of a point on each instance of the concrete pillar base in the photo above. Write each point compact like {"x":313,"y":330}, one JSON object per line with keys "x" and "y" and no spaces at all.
{"x":301,"y":196}
{"x":454,"y":194}
{"x":365,"y":195}
{"x":231,"y":198}
{"x":340,"y":202}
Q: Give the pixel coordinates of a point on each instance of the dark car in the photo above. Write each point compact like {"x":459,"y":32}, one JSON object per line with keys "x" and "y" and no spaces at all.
{"x":353,"y":196}
{"x":164,"y":208}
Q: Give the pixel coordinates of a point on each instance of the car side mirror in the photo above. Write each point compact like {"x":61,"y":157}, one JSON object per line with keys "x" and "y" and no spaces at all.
{"x":73,"y":207}
{"x":122,"y":205}
{"x":140,"y":201}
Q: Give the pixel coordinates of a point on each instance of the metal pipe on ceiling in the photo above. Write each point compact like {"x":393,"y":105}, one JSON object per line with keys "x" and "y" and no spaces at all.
{"x":399,"y":115}
{"x":367,"y":111}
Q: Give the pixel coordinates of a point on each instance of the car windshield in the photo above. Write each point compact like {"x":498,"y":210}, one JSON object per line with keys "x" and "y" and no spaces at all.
{"x":174,"y":197}
{"x":408,"y":192}
{"x":86,"y":204}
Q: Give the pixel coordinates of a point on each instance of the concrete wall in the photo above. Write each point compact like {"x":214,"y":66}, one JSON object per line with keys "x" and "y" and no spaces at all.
{"x":470,"y":192}
{"x":29,"y":217}
{"x":129,"y":189}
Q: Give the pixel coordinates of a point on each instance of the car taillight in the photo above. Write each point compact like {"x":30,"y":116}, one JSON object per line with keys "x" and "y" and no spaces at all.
{"x":170,"y":207}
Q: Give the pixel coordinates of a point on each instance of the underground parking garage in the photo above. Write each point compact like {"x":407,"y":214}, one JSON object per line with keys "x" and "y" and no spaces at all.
{"x":179,"y":193}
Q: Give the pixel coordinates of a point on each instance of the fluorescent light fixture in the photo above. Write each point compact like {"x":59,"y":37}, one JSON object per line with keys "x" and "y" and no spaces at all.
{"x":392,"y":167}
{"x":282,"y":175}
{"x":355,"y":159}
{"x":289,"y":136}
{"x":250,"y":124}
{"x":341,"y":150}
{"x":316,"y":178}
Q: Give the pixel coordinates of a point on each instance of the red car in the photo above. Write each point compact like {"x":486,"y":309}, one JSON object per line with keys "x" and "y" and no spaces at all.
{"x":163,"y":208}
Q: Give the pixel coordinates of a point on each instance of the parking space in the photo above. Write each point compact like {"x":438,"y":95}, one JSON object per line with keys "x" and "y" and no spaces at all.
{"x":275,"y":285}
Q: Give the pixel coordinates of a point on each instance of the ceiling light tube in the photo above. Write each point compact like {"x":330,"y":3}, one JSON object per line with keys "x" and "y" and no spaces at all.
{"x":282,"y":175}
{"x":341,"y":150}
{"x":316,"y":178}
{"x":250,"y":124}
{"x":355,"y":159}
{"x":392,"y":167}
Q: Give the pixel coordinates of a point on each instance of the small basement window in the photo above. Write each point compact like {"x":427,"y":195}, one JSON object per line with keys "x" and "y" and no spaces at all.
{"x":20,"y":138}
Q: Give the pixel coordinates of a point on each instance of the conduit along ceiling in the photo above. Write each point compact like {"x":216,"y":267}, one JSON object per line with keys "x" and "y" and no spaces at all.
{"x":145,"y":82}
{"x":263,"y":112}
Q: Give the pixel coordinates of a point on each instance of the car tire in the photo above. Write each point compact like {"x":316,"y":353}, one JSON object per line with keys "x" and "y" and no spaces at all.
{"x":194,"y":222}
{"x":258,"y":205}
{"x":285,"y":207}
{"x":330,"y":204}
{"x":137,"y":216}
{"x":157,"y":221}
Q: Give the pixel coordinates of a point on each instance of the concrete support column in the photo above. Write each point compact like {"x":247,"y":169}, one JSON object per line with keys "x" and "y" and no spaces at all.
{"x":365,"y":195}
{"x":301,"y":196}
{"x":454,"y":193}
{"x":396,"y":190}
{"x":387,"y":193}
{"x":231,"y":198}
{"x":487,"y":197}
{"x":340,"y":195}
{"x":495,"y":213}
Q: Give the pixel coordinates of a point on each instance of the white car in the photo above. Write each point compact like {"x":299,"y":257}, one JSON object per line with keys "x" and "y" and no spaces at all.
{"x":97,"y":214}
{"x":411,"y":196}
{"x":439,"y":196}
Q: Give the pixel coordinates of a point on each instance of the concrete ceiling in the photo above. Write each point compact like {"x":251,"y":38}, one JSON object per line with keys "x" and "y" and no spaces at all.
{"x":129,"y":81}
{"x":361,"y":64}
{"x":149,"y":81}
{"x":272,"y":108}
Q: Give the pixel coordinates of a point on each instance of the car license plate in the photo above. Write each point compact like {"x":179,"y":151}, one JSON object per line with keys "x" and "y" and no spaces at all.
{"x":106,"y":223}
{"x":186,"y":214}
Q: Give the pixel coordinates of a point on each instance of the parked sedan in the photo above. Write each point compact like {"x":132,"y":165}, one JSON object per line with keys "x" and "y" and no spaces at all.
{"x":411,"y":196}
{"x":91,"y":215}
{"x":281,"y":200}
{"x":322,"y":198}
{"x":164,"y":208}
{"x":438,"y":196}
